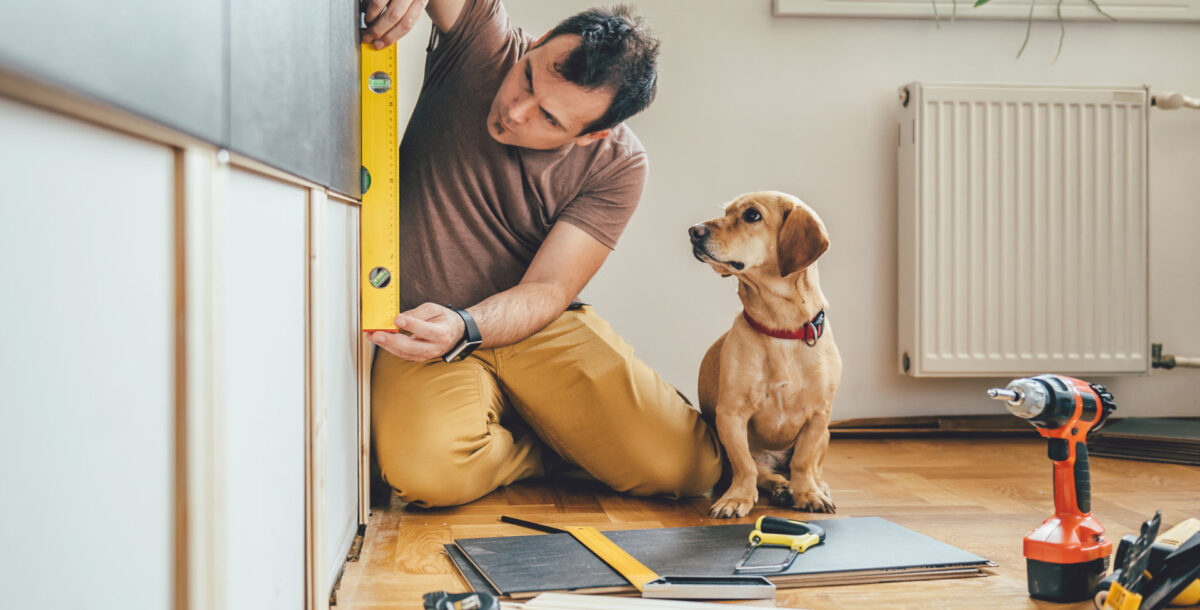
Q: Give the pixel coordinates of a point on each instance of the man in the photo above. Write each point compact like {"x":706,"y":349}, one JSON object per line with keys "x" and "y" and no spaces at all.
{"x":516,"y":179}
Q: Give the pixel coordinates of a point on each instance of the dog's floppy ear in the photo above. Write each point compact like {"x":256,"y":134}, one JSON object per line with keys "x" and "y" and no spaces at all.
{"x":802,"y":240}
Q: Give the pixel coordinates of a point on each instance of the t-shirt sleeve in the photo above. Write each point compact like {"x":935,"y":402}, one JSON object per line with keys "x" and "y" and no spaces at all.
{"x":481,"y":31}
{"x":608,"y":201}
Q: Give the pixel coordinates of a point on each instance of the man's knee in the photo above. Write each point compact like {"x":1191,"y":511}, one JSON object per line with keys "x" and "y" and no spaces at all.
{"x":679,"y":474}
{"x":431,"y":479}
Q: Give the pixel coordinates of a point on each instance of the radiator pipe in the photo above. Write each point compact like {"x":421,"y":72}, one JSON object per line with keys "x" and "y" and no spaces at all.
{"x":1169,"y":100}
{"x":1170,"y":361}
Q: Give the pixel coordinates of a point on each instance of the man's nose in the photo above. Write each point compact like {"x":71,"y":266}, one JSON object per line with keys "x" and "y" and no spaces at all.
{"x":698,"y":232}
{"x":520,"y":111}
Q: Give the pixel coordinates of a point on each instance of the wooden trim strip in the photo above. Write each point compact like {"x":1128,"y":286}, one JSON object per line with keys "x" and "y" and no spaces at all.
{"x":317,"y":591}
{"x":366,"y":353}
{"x":243,"y":162}
{"x":22,"y":88}
{"x":340,"y":198}
{"x":180,"y":585}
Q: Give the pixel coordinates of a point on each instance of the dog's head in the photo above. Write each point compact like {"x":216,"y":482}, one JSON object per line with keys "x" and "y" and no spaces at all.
{"x":761,"y":232}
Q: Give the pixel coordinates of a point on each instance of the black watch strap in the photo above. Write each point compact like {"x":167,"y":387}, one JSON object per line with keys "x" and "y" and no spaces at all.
{"x":470,"y":340}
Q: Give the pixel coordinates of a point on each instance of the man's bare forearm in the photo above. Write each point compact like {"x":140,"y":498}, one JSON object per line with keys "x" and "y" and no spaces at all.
{"x":510,"y":316}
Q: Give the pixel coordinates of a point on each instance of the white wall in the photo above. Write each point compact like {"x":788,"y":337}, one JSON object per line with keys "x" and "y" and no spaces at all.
{"x":748,"y":102}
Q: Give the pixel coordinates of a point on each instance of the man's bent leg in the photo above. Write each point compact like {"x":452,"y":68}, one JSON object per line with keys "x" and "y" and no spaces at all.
{"x":437,"y":433}
{"x":581,"y":388}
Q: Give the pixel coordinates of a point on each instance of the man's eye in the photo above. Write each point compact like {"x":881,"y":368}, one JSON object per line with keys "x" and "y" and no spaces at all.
{"x":751,"y":215}
{"x":550,"y":119}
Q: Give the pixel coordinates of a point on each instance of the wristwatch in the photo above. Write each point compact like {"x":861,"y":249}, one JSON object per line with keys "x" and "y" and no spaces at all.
{"x":470,"y":339}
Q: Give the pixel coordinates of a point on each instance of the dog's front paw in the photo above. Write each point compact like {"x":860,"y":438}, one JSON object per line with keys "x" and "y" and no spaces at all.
{"x":813,"y":501}
{"x":733,"y":504}
{"x":782,"y":497}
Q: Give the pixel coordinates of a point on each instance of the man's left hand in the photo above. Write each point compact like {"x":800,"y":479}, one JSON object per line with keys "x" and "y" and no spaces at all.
{"x":427,"y":332}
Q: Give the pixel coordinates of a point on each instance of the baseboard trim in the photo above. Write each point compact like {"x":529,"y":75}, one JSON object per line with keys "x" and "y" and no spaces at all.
{"x":939,"y":426}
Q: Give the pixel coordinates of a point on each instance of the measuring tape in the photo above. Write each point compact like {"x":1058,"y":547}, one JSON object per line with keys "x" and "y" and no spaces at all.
{"x":379,"y":218}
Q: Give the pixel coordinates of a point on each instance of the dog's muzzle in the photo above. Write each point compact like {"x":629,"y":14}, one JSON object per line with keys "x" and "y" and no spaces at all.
{"x":699,"y":235}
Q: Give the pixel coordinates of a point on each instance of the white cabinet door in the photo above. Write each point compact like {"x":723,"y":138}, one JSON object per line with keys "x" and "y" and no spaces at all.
{"x":87,"y":291}
{"x":339,"y":326}
{"x":263,"y":281}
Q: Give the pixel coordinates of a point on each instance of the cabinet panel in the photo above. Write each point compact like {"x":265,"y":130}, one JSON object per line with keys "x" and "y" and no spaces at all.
{"x":279,"y":84}
{"x":86,"y":365}
{"x":162,"y":60}
{"x":263,"y":307}
{"x":340,"y":342}
{"x":344,"y":104}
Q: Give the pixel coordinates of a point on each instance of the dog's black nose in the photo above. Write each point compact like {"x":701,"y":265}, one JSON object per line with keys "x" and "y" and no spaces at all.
{"x":698,"y":233}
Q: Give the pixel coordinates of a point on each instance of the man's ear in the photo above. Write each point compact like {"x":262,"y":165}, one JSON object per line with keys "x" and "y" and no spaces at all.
{"x":802,"y":240}
{"x":588,"y":138}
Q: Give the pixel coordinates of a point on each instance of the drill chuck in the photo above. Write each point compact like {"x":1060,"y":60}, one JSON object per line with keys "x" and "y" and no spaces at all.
{"x":1025,"y":398}
{"x":1009,"y":395}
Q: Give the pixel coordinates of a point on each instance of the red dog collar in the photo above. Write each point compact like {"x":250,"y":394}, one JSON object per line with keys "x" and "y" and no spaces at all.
{"x":809,"y":332}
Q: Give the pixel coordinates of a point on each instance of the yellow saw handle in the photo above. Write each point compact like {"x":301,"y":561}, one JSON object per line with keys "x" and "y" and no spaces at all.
{"x":796,"y":543}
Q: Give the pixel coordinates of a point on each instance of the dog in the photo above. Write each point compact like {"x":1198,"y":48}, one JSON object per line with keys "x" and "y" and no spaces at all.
{"x":768,"y":383}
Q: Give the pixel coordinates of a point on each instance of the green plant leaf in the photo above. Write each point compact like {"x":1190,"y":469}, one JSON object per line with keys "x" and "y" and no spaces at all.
{"x":979,"y":3}
{"x":1028,"y":28}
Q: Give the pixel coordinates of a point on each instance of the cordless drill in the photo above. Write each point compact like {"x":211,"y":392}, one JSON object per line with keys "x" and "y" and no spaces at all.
{"x":1067,"y":554}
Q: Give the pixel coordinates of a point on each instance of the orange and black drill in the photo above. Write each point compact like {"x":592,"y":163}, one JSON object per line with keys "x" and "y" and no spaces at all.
{"x":1067,"y":554}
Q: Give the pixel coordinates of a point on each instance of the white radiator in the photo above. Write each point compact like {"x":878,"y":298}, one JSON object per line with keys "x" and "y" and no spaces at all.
{"x":1022,"y":230}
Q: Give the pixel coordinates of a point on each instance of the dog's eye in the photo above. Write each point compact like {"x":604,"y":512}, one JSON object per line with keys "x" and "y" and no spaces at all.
{"x":751,"y":215}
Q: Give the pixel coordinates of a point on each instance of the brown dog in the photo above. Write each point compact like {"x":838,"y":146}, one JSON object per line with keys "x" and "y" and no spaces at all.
{"x":768,"y":383}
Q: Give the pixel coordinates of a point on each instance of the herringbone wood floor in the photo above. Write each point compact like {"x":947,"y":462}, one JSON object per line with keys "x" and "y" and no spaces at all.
{"x":981,"y":495}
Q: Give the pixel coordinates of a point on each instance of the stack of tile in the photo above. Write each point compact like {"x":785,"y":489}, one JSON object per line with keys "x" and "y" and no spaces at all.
{"x":1151,"y":439}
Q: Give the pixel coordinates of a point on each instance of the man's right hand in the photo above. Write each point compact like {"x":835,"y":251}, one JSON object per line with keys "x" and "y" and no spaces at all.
{"x":389,"y":20}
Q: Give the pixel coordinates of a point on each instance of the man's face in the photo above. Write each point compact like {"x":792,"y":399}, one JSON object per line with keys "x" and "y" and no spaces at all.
{"x":537,"y":108}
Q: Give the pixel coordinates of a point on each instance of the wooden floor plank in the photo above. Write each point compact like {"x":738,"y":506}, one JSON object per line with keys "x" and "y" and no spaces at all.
{"x":981,"y":495}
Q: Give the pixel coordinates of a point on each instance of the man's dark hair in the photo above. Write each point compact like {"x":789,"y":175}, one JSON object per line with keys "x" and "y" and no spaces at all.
{"x":616,"y":52}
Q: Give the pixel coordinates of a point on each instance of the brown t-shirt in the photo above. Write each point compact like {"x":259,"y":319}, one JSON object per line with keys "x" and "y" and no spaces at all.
{"x":473,"y":212}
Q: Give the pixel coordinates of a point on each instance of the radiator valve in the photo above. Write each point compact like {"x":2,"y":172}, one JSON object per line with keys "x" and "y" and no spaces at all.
{"x":1170,"y":361}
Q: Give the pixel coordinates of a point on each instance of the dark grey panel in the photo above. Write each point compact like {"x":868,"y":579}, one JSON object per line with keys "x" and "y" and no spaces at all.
{"x":161,"y":59}
{"x":558,"y":562}
{"x":344,"y":103}
{"x":280,"y":84}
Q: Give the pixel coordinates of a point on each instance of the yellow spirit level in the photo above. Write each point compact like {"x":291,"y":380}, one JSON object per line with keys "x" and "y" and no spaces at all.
{"x":380,"y":222}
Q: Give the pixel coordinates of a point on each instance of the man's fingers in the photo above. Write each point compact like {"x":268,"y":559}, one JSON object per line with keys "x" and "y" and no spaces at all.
{"x":404,"y":24}
{"x":392,"y":21}
{"x":386,"y":17}
{"x":422,"y":328}
{"x":426,"y":311}
{"x":372,"y":9}
{"x":404,"y":346}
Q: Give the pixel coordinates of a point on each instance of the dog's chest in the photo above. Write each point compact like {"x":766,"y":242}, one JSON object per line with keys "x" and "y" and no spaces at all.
{"x":784,"y":396}
{"x":779,"y":412}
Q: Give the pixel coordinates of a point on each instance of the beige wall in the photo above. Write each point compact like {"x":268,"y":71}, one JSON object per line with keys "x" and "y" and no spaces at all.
{"x":748,"y":101}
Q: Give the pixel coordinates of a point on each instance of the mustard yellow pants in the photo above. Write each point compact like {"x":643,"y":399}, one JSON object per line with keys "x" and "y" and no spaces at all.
{"x":447,"y":434}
